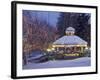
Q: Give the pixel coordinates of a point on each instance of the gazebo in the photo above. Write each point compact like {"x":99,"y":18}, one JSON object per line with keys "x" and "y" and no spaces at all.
{"x":70,"y":43}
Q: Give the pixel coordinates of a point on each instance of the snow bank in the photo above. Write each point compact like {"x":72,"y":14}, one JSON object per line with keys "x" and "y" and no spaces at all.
{"x":85,"y":61}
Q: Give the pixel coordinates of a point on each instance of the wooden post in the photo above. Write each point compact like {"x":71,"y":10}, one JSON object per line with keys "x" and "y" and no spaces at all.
{"x":64,"y":49}
{"x":24,"y":59}
{"x":82,"y":49}
{"x":57,"y":48}
{"x":74,"y":49}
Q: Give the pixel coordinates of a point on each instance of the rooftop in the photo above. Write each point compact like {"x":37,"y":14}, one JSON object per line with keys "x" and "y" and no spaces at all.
{"x":70,"y":40}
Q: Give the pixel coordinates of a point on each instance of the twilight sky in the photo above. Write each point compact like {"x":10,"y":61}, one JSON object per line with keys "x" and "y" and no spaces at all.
{"x":50,"y":17}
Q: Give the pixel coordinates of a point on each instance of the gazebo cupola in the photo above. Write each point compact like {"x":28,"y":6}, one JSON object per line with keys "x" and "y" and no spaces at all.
{"x":70,"y":31}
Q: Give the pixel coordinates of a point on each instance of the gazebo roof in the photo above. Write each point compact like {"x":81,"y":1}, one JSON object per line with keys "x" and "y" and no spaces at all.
{"x":70,"y":29}
{"x":70,"y":40}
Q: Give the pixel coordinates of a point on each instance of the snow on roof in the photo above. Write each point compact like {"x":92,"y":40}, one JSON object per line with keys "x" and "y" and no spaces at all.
{"x":70,"y":29}
{"x":70,"y":40}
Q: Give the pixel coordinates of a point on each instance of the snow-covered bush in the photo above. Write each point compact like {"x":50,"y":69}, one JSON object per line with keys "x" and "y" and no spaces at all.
{"x":87,"y":53}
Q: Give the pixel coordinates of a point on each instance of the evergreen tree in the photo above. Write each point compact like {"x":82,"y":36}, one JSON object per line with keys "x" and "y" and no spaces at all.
{"x":79,"y":21}
{"x":83,"y":27}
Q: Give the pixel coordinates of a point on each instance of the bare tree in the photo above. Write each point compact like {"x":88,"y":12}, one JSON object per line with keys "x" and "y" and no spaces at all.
{"x":37,"y":34}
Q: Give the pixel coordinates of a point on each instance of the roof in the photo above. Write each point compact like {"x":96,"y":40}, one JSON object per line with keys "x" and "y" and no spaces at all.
{"x":70,"y":29}
{"x":70,"y":40}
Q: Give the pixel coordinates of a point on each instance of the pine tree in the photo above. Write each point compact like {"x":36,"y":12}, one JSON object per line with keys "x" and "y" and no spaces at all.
{"x":79,"y":21}
{"x":83,"y":28}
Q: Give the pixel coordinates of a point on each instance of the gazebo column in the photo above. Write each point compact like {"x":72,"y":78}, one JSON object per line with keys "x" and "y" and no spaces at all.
{"x":57,"y":48}
{"x":74,"y":49}
{"x":64,"y":49}
{"x":81,"y":49}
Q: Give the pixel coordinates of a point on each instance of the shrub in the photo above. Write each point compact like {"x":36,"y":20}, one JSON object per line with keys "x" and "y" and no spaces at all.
{"x":87,"y":53}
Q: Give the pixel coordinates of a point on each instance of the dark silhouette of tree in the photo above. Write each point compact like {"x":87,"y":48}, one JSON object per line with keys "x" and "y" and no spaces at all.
{"x":65,"y":20}
{"x":80,"y":21}
{"x":83,"y":28}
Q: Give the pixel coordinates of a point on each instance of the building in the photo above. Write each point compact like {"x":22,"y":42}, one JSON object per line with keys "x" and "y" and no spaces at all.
{"x":70,"y":43}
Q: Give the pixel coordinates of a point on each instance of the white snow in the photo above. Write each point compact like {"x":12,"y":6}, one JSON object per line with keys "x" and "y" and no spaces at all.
{"x":70,"y":29}
{"x":71,"y":40}
{"x":85,"y":61}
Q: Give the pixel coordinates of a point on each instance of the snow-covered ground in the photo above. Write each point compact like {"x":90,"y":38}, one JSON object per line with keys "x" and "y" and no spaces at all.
{"x":84,"y":61}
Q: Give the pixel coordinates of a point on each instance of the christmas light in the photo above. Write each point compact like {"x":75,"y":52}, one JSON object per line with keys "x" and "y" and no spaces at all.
{"x":48,"y":50}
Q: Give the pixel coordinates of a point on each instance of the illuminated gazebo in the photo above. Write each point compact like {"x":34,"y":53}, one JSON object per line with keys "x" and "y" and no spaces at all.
{"x":70,"y":43}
